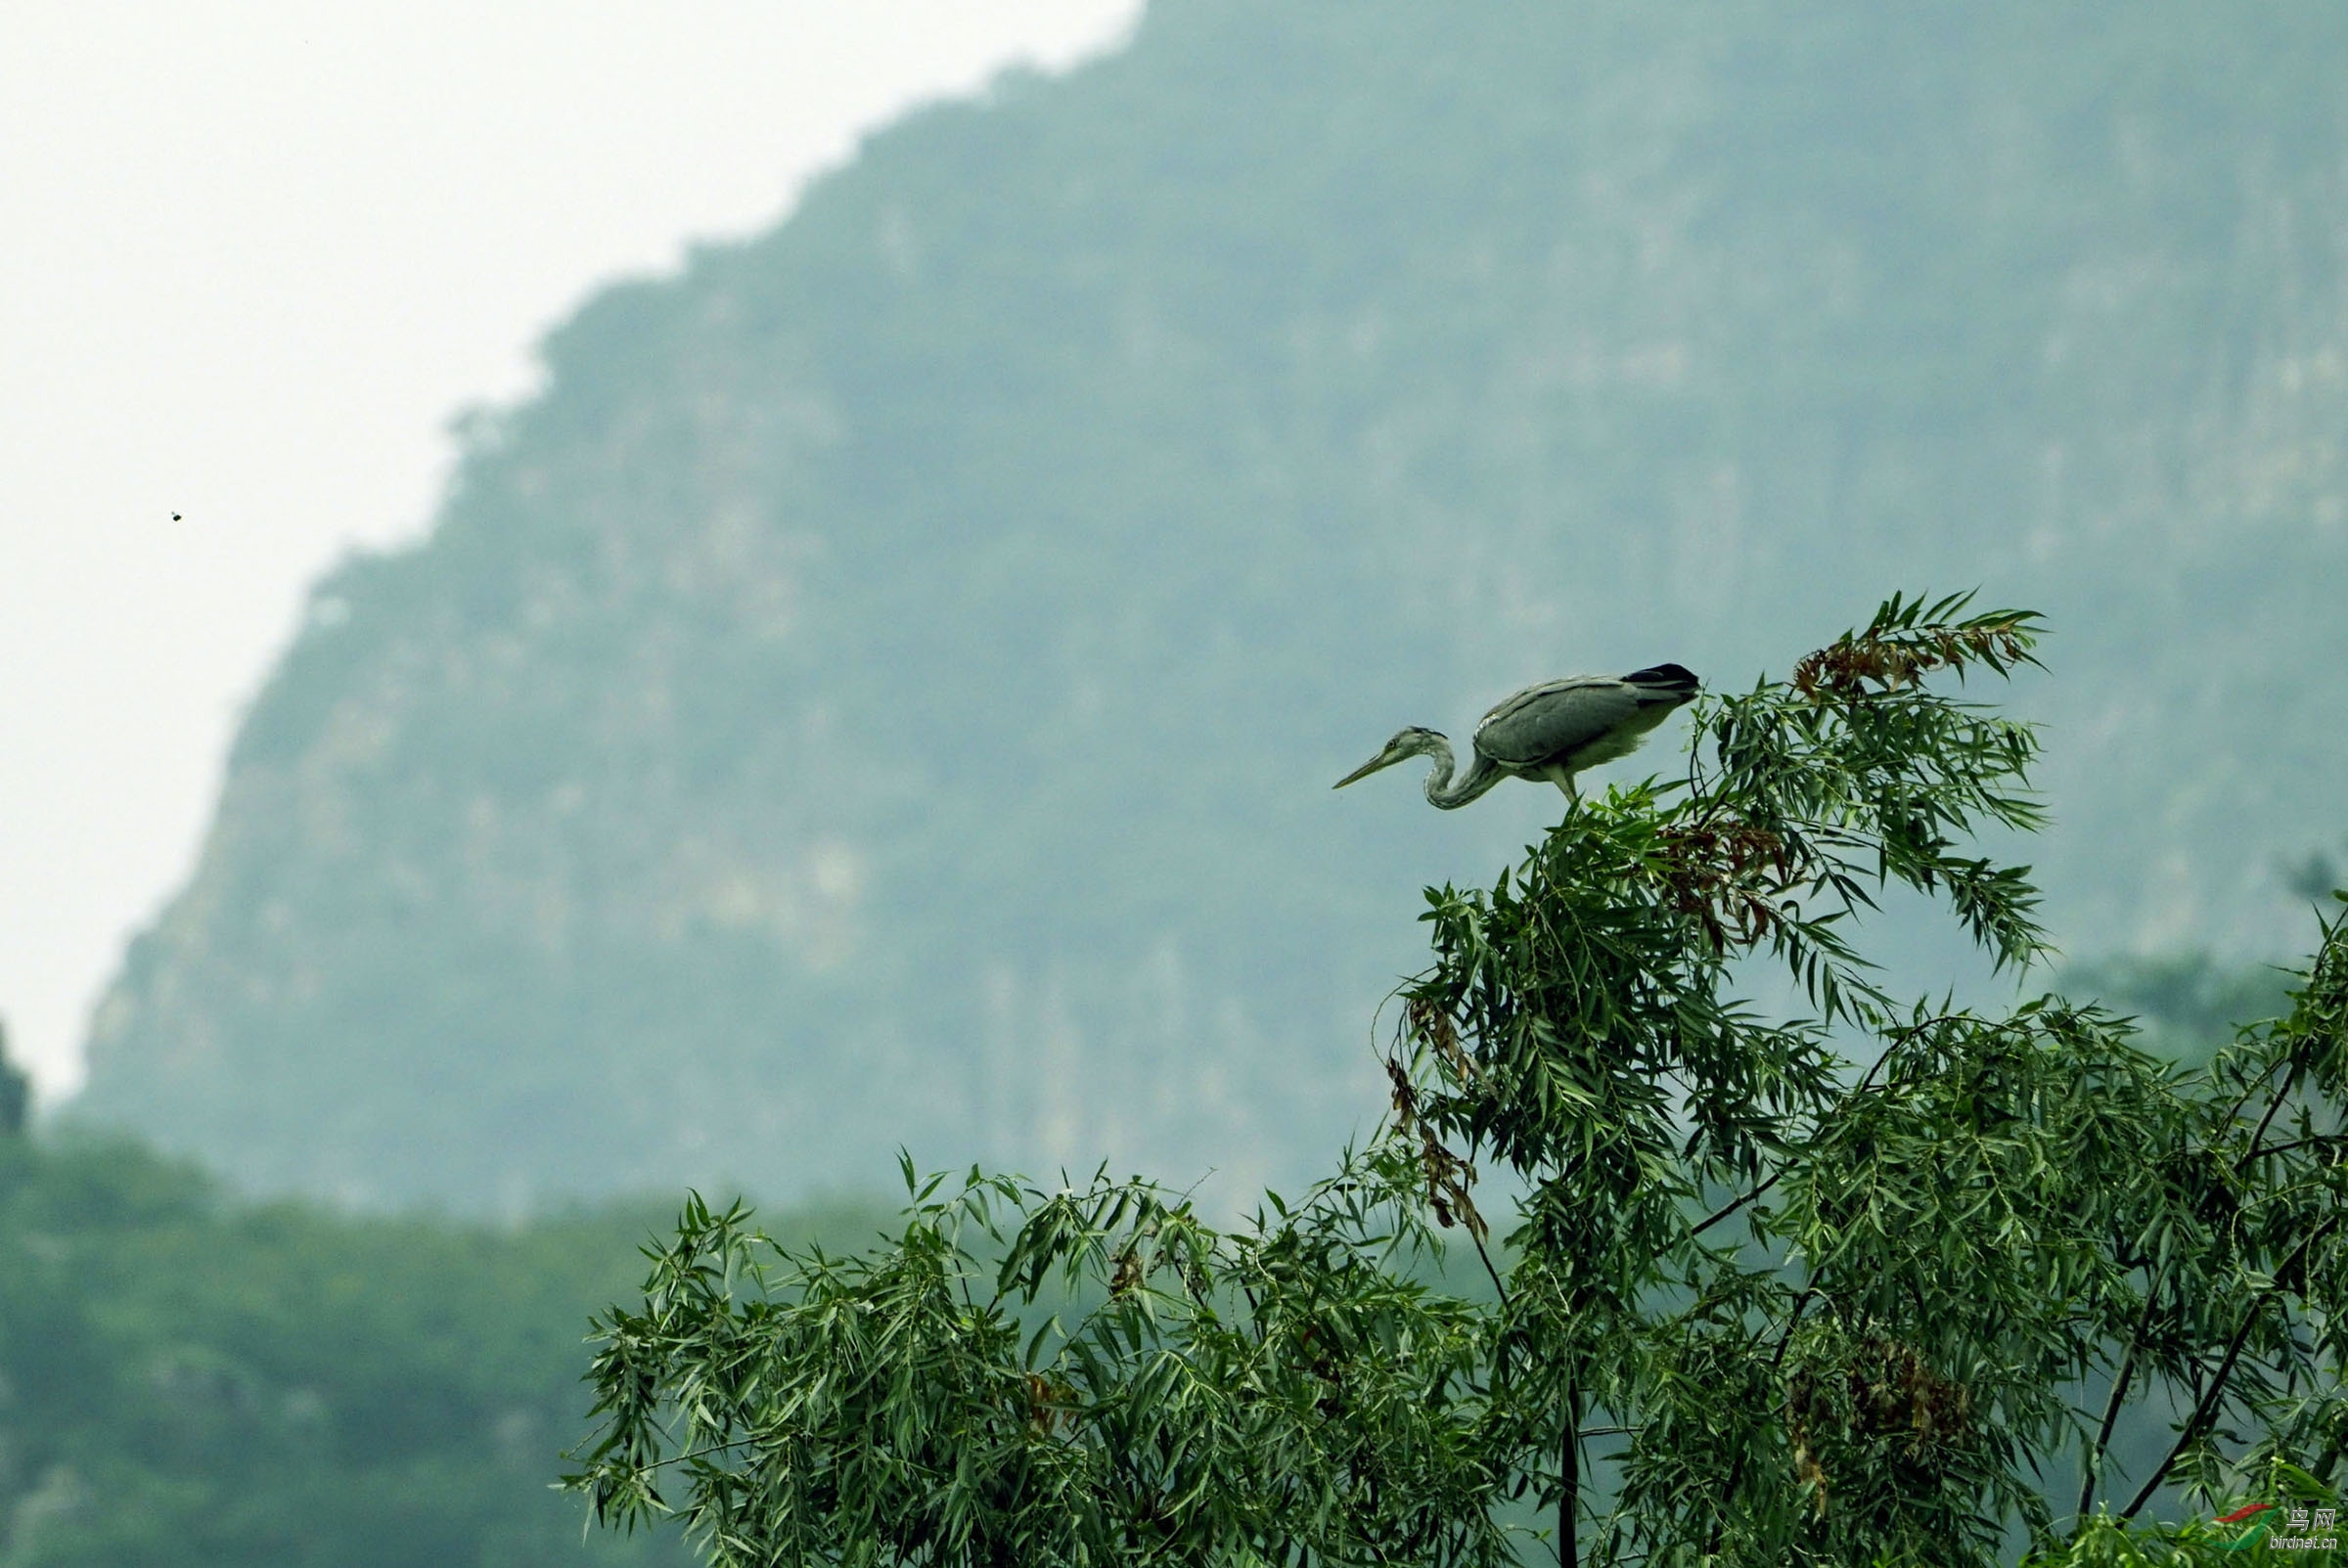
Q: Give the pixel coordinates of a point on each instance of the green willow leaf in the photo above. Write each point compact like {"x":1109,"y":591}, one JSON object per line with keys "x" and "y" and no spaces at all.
{"x":1882,"y":1282}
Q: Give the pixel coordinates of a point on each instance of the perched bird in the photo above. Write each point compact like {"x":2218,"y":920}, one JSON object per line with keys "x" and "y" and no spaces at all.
{"x":1552,"y":731}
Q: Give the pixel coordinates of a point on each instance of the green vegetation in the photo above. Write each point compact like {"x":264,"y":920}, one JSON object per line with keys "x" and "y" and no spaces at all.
{"x":187,"y":1382}
{"x":884,"y":689}
{"x":15,"y":1091}
{"x":1870,"y":1285}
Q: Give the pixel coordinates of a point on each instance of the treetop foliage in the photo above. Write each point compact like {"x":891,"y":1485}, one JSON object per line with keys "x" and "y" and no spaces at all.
{"x":1877,"y":1284}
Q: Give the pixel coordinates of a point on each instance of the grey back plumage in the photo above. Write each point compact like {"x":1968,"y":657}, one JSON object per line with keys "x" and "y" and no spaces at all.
{"x":1580,"y":720}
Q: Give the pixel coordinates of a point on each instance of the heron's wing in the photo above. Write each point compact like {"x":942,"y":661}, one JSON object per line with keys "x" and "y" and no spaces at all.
{"x":1544,"y":722}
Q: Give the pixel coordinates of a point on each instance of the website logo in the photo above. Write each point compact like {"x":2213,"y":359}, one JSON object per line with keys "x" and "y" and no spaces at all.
{"x":2303,"y":1530}
{"x":2249,"y":1537}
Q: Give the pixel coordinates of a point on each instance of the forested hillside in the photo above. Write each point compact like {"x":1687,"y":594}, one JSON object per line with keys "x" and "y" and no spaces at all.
{"x":194,"y":1383}
{"x":886,"y":688}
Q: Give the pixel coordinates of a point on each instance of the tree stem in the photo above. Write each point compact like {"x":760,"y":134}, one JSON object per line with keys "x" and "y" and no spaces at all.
{"x":2111,"y":1407}
{"x":2206,"y":1408}
{"x":1570,"y":1479}
{"x":2259,"y":1135}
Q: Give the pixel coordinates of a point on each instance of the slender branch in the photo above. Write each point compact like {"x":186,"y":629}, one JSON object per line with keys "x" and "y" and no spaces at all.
{"x":1865,"y":1081}
{"x":1734,"y":1204}
{"x":1794,"y":1319}
{"x":2314,"y":1140}
{"x":2235,"y":1109}
{"x":2202,"y":1412}
{"x":1570,"y":1479}
{"x":1728,"y":1494}
{"x":2259,"y":1136}
{"x":1497,"y":1282}
{"x":2321,"y":1468}
{"x":696,"y":1454}
{"x":2206,"y":1408}
{"x":2093,"y":1467}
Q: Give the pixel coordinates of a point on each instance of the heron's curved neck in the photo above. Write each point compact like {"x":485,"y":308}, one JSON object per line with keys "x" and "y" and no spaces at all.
{"x":1441,"y":793}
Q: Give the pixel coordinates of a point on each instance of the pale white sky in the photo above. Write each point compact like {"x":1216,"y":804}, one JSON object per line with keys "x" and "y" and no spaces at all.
{"x":254,"y":254}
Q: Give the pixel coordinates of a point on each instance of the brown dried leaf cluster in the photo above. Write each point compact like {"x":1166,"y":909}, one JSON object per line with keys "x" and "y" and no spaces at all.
{"x":1433,"y":1025}
{"x":1449,"y":1177}
{"x":1051,"y":1403}
{"x":1728,"y":877}
{"x":1129,"y":1269}
{"x":1901,"y":658}
{"x":1888,"y":1392}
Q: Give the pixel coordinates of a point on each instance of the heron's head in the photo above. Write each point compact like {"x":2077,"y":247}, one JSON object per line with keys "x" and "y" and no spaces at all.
{"x":1406,"y":745}
{"x":1675,"y":681}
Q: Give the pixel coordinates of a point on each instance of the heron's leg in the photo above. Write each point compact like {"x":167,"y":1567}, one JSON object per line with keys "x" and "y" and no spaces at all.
{"x":1562,"y":777}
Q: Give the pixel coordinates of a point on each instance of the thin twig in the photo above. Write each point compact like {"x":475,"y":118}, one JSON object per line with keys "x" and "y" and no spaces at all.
{"x":2111,"y":1407}
{"x":2258,"y":1137}
{"x":2315,"y":1140}
{"x":1733,"y":1205}
{"x":1497,"y":1284}
{"x":696,"y":1454}
{"x":1865,"y":1081}
{"x":2205,"y":1410}
{"x":1728,"y":1494}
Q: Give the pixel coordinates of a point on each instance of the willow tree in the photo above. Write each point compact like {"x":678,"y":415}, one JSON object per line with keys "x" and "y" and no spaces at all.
{"x":1633,"y":1269}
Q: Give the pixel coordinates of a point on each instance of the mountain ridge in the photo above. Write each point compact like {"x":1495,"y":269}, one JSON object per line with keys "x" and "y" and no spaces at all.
{"x":885,"y":688}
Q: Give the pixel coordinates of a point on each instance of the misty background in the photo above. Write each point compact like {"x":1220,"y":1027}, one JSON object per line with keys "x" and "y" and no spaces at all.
{"x":883,"y":688}
{"x":258,"y":256}
{"x":874,"y":678}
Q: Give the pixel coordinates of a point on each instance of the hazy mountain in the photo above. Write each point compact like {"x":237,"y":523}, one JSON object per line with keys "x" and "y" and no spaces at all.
{"x":886,"y":688}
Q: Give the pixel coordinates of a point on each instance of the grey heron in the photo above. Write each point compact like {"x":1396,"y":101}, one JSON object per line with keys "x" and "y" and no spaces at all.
{"x":1551,"y":730}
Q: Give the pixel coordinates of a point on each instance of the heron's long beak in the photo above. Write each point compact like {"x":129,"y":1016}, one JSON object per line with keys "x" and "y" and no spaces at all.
{"x":1382,"y":760}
